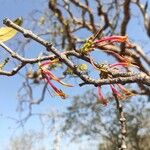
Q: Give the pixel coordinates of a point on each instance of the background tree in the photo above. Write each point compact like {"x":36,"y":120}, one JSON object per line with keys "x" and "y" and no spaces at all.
{"x":26,"y":141}
{"x":87,"y":119}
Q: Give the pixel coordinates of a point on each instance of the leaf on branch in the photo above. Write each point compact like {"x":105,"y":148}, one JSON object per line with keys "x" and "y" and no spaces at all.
{"x":6,"y":33}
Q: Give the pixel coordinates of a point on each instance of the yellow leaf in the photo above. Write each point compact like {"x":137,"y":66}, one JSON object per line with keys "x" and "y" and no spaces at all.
{"x":6,"y":33}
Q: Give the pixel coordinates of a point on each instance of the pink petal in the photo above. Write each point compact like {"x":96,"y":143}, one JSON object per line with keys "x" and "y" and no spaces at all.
{"x":115,"y":91}
{"x":113,"y":38}
{"x":101,"y":97}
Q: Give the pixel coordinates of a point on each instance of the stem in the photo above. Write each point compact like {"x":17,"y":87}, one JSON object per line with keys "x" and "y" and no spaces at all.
{"x":122,"y":119}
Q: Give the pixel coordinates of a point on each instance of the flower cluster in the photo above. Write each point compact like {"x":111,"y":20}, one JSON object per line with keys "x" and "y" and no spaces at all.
{"x":121,"y":92}
{"x":91,"y":44}
{"x":48,"y":76}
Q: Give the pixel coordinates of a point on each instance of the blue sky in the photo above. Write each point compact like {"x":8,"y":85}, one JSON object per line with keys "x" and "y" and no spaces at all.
{"x":10,"y":85}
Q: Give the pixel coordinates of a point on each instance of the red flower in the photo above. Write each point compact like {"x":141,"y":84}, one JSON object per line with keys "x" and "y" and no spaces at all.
{"x":114,"y":38}
{"x":115,"y":91}
{"x":101,"y":96}
{"x":48,"y":76}
{"x":58,"y":91}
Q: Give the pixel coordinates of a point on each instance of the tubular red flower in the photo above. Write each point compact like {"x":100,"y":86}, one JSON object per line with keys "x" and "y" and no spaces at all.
{"x":122,"y":87}
{"x":48,"y":75}
{"x":124,"y":64}
{"x":127,"y":92}
{"x":115,"y":91}
{"x":49,"y":62}
{"x":122,"y":58}
{"x":114,"y":38}
{"x":101,"y":97}
{"x":51,"y":75}
{"x":127,"y":62}
{"x":58,"y":91}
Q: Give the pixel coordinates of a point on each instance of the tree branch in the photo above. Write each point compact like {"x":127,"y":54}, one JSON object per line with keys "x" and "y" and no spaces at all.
{"x":122,"y":120}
